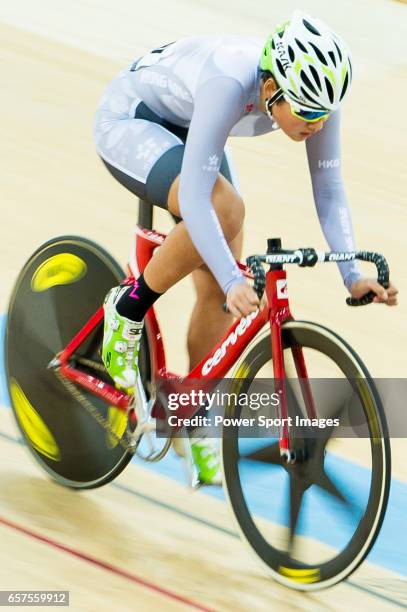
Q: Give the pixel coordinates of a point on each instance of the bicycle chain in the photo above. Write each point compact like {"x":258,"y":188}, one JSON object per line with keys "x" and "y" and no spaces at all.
{"x":95,"y":365}
{"x":94,"y":413}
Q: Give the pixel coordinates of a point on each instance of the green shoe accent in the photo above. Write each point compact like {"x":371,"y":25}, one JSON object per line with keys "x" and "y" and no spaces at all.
{"x":121,"y":341}
{"x":206,"y":459}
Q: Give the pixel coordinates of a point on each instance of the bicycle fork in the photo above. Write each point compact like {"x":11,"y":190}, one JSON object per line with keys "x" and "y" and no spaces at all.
{"x":277,"y":295}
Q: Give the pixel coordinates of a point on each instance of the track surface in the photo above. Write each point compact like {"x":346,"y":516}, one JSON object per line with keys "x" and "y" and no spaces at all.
{"x":145,"y":542}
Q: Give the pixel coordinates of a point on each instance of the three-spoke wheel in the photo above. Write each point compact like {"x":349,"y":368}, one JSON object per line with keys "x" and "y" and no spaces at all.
{"x":313,"y":521}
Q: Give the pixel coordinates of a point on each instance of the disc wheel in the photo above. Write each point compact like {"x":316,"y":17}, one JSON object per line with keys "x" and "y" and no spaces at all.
{"x":61,"y":286}
{"x":312,"y":522}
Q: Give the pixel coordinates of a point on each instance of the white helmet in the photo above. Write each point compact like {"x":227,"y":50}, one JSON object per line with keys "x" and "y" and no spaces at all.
{"x":310,"y":63}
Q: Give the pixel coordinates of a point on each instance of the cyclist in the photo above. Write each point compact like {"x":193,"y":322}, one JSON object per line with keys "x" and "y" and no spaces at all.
{"x":161,"y":129}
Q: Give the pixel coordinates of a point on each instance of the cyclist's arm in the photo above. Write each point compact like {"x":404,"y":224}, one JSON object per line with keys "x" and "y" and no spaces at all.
{"x":324,"y":159}
{"x":217,"y":108}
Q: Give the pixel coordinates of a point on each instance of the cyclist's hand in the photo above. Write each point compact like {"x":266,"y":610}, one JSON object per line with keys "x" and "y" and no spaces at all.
{"x":242,"y":299}
{"x":383,"y":296}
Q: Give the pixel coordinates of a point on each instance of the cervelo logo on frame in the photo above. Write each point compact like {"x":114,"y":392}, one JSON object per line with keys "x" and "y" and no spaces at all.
{"x":231,"y":340}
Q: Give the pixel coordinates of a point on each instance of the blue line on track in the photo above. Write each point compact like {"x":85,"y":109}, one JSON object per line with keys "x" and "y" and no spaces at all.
{"x":390,"y":548}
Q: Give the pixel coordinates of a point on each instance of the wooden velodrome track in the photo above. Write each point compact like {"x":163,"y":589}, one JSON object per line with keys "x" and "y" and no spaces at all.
{"x":146,"y":542}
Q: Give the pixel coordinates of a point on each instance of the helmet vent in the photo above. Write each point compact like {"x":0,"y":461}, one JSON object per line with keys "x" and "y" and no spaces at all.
{"x":339,"y":51}
{"x":280,"y":67}
{"x":330,"y":90}
{"x":293,"y":95}
{"x":332,"y":56}
{"x":291,"y":53}
{"x":301,"y":46}
{"x":310,"y":27}
{"x":316,"y":77}
{"x":273,"y":45}
{"x":345,"y":86}
{"x":320,"y":55}
{"x":306,"y":95}
{"x":307,"y":82}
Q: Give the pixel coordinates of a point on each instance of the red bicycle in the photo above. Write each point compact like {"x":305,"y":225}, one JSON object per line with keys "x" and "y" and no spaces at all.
{"x":316,"y":518}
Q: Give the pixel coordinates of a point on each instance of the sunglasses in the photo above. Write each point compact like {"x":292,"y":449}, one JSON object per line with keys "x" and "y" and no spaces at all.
{"x":307,"y":116}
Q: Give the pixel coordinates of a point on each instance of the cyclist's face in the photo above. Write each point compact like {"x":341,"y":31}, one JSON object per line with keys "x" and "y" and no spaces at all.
{"x":295,"y":128}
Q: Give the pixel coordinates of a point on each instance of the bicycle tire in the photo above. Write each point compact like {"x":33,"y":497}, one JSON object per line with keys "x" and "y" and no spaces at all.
{"x":60,"y":287}
{"x":279,"y":563}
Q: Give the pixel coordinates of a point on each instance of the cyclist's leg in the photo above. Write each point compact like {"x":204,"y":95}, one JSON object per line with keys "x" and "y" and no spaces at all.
{"x":208,"y":320}
{"x":177,"y":258}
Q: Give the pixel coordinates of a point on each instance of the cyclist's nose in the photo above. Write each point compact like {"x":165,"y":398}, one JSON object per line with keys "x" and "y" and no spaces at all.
{"x":317,"y":126}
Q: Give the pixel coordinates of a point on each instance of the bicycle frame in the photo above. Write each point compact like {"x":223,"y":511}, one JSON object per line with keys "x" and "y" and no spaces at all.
{"x":218,"y":361}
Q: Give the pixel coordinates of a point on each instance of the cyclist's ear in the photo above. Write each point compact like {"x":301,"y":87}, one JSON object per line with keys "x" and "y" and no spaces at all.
{"x":269,"y":83}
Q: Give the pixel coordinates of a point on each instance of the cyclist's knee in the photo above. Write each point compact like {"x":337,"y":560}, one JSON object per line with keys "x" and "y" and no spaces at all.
{"x":226,"y":201}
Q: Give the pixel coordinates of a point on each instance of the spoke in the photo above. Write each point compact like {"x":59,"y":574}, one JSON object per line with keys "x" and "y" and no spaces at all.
{"x":268,"y":454}
{"x":315,"y":449}
{"x":327,"y":485}
{"x":297,"y":491}
{"x":316,"y":473}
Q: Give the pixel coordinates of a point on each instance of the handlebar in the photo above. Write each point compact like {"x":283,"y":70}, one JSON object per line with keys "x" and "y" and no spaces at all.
{"x":309,"y":257}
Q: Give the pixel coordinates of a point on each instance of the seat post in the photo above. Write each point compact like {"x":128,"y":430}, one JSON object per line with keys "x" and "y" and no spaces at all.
{"x":145,"y":214}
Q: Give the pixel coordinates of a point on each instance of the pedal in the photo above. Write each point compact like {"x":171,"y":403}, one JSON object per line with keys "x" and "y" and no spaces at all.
{"x":149,"y":447}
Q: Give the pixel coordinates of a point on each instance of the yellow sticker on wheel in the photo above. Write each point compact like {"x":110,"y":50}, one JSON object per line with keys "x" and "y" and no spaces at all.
{"x":117,"y":420}
{"x":61,"y":269}
{"x":32,"y":424}
{"x":306,"y":575}
{"x":244,"y":370}
{"x":240,"y":377}
{"x":368,"y":403}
